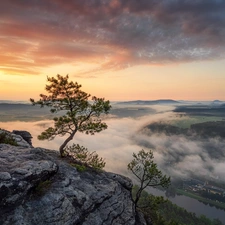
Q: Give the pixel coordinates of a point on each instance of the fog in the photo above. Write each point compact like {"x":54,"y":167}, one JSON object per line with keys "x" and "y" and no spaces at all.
{"x":176,"y":155}
{"x":181,"y":157}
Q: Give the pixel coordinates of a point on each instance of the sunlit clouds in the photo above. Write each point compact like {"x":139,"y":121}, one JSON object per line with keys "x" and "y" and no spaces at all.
{"x":104,"y":37}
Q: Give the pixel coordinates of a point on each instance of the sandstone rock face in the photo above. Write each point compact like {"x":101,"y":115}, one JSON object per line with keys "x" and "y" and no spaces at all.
{"x":25,"y":135}
{"x":18,"y":138}
{"x":69,"y":198}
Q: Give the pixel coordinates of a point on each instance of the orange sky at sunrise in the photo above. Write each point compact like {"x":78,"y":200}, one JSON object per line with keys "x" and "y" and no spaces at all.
{"x":120,"y":50}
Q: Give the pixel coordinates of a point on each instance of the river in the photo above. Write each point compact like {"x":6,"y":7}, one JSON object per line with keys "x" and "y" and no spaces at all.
{"x":193,"y":205}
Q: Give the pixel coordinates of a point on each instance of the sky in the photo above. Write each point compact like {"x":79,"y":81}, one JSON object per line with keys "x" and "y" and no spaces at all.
{"x":120,"y":50}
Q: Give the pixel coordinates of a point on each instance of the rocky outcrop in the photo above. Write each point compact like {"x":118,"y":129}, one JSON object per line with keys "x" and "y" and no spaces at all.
{"x":38,"y":187}
{"x":22,"y":138}
{"x":25,"y":135}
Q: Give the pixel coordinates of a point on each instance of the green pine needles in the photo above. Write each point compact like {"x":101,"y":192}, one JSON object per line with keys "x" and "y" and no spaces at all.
{"x":147,"y":173}
{"x":81,"y":155}
{"x":81,"y":114}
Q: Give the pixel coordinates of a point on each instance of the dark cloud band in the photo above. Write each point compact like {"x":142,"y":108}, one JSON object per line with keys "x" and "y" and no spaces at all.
{"x":114,"y":34}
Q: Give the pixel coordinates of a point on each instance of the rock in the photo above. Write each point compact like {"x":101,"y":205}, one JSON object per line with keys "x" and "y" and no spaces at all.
{"x":5,"y":176}
{"x":17,"y":138}
{"x":38,"y":187}
{"x":19,"y":177}
{"x":25,"y":135}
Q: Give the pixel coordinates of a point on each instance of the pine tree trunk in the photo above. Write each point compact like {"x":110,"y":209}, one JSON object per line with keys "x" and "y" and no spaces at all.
{"x":61,"y":148}
{"x":138,"y":195}
{"x":137,"y":198}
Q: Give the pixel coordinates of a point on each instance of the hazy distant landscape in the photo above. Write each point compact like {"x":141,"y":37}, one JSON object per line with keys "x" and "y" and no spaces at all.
{"x":187,"y":139}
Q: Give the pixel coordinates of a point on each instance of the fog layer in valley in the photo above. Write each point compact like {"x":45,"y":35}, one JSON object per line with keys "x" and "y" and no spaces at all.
{"x":177,"y":155}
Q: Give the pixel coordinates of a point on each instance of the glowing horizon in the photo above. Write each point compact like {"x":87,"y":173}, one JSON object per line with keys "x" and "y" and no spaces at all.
{"x":116,"y":50}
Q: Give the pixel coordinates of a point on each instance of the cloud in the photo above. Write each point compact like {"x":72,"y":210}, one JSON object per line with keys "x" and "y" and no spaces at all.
{"x":112,"y":34}
{"x":176,"y":155}
{"x":181,"y":156}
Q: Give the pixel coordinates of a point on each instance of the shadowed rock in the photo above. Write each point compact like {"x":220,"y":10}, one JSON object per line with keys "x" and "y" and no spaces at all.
{"x":25,"y":135}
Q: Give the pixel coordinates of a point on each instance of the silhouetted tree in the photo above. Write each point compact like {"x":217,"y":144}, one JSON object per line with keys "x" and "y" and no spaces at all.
{"x":80,"y":114}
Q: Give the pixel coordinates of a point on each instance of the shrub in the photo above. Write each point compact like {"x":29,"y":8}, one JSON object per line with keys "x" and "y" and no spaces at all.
{"x":7,"y":139}
{"x":81,"y":155}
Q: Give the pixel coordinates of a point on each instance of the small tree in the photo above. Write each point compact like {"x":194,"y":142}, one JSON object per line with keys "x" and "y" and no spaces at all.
{"x":144,"y":168}
{"x":80,"y":114}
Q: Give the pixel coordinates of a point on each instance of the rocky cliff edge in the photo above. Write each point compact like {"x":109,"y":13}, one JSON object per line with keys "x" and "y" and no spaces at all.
{"x":38,"y":187}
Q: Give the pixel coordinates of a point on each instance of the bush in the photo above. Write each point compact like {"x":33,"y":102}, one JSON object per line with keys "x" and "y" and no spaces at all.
{"x":82,"y":156}
{"x":7,"y":139}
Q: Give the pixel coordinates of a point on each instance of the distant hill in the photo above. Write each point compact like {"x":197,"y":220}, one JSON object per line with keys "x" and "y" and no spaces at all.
{"x":202,"y":110}
{"x":217,"y":103}
{"x":14,"y":102}
{"x":150,"y":102}
{"x":13,"y":106}
{"x":204,"y":130}
{"x":23,"y":112}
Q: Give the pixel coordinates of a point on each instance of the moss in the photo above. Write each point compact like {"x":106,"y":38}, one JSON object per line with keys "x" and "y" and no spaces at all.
{"x":80,"y":168}
{"x":42,"y":187}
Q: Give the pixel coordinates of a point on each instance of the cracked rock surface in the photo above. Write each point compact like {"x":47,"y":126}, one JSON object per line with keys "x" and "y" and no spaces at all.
{"x":38,"y":187}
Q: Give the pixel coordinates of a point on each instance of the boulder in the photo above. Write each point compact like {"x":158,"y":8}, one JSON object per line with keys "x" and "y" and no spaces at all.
{"x":25,"y":135}
{"x":19,"y":140}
